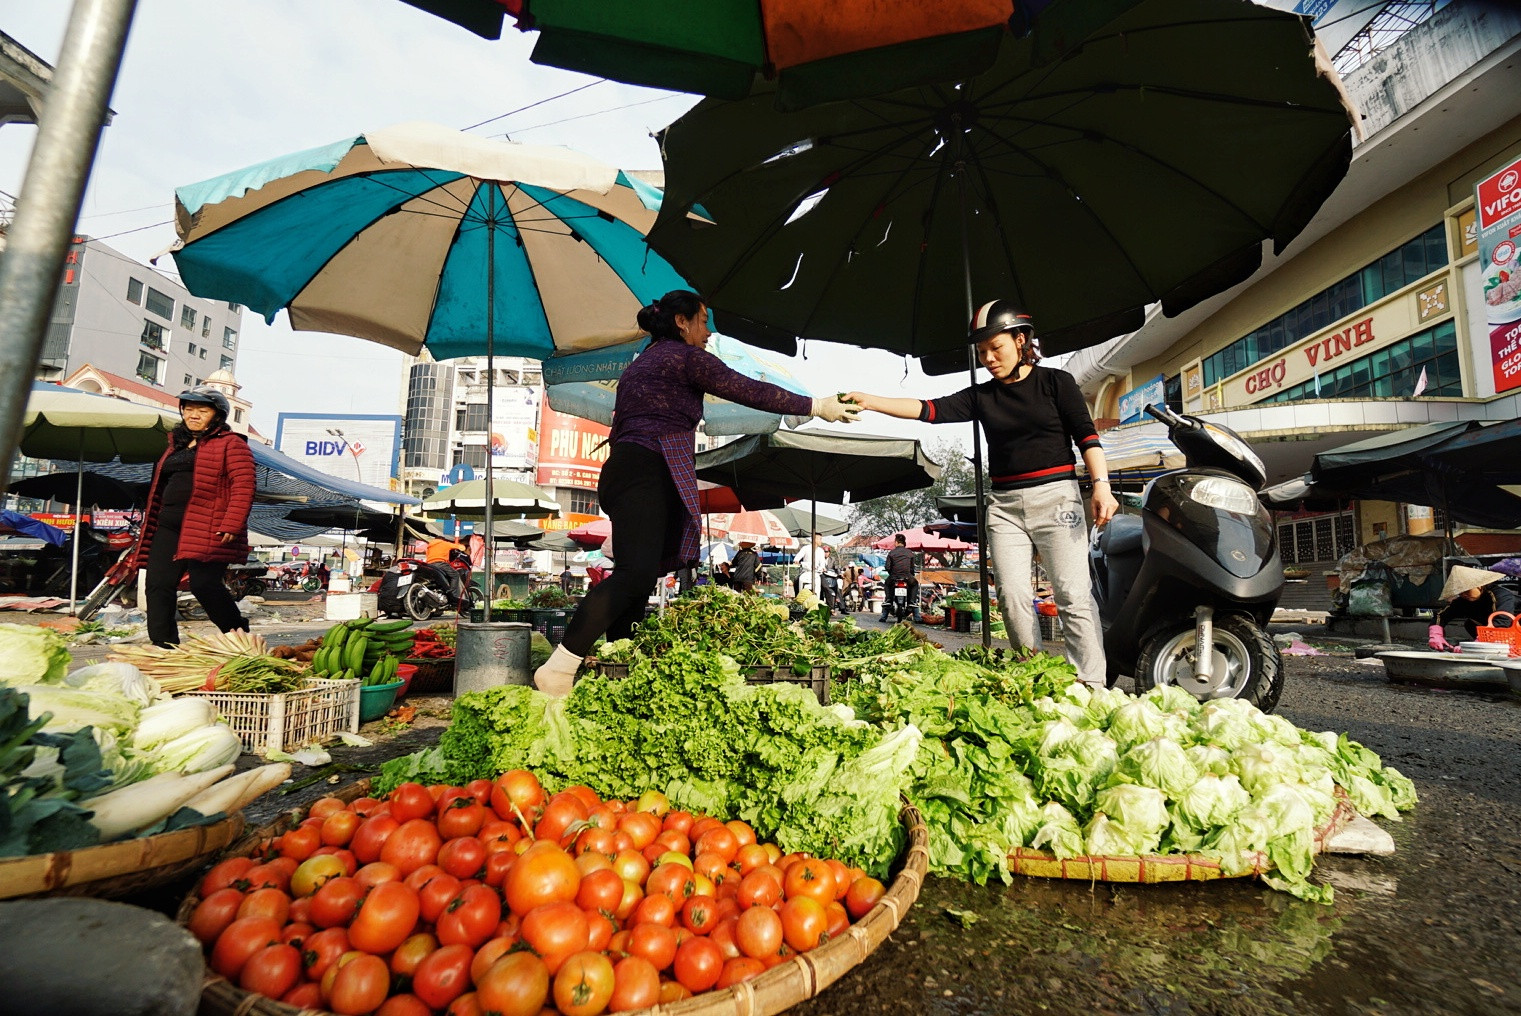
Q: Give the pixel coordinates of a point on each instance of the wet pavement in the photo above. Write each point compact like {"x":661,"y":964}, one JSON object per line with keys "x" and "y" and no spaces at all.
{"x":1434,"y":929}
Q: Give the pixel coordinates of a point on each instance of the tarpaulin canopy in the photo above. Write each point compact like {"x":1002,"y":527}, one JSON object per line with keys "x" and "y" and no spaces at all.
{"x":920,"y":539}
{"x":823,"y":465}
{"x":24,"y":525}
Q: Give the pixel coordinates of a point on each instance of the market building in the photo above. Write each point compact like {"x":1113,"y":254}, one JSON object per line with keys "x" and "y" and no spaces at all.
{"x":1375,"y":318}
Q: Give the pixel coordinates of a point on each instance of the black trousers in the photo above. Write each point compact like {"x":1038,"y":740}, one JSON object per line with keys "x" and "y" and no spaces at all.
{"x":162,"y":584}
{"x":639,"y":496}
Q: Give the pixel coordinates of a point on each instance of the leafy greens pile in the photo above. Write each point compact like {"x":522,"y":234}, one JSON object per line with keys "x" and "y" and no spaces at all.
{"x":809,"y":776}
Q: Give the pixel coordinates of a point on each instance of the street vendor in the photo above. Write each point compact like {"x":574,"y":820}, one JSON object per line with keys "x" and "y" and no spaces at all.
{"x":196,"y":520}
{"x":742,"y":570}
{"x":1472,"y":597}
{"x":1032,"y":416}
{"x":648,"y":485}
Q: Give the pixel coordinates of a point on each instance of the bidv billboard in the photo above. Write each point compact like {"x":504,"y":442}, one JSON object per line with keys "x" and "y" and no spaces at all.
{"x":350,"y":447}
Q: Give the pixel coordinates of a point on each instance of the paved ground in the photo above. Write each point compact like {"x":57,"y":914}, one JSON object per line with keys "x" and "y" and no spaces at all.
{"x":1434,"y":929}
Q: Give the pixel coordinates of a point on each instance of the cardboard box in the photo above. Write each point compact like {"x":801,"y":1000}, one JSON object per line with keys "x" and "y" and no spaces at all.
{"x":348,"y":606}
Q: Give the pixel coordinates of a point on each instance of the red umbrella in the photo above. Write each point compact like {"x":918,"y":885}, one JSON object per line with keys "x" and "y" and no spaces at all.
{"x":920,"y":539}
{"x":592,"y":534}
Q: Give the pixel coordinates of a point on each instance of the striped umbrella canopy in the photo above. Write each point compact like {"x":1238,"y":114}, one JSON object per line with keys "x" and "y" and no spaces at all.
{"x":421,"y":237}
{"x":759,"y":527}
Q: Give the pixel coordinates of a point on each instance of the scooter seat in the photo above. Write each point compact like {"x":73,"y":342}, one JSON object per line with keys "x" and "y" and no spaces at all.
{"x":1121,"y":536}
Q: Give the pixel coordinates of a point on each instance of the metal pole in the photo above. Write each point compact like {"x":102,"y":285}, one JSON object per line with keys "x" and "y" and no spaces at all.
{"x":78,"y":499}
{"x":490,"y":385}
{"x":68,"y":134}
{"x":971,"y":368}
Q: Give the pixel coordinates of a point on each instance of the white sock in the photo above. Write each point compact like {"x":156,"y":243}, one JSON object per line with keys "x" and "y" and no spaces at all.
{"x":558,"y":673}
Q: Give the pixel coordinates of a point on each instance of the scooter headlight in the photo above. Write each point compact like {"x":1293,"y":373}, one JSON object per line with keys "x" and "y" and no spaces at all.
{"x":1237,"y":447}
{"x":1225,"y":495}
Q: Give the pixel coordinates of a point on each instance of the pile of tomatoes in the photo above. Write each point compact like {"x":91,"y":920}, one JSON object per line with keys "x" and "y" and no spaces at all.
{"x":497,"y":898}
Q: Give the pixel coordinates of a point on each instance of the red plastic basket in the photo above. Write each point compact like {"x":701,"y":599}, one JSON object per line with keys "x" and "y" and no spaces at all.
{"x":1508,"y":634}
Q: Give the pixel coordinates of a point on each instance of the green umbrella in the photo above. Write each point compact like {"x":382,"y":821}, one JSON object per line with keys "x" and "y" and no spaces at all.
{"x":1146,"y":163}
{"x":799,"y":524}
{"x":510,"y":497}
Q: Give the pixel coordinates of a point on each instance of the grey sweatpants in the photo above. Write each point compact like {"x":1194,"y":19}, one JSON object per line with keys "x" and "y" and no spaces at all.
{"x":1049,"y":519}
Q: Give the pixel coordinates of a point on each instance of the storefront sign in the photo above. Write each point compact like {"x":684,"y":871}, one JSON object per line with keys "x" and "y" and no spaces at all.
{"x":1498,"y":201}
{"x":1383,"y":324}
{"x":1134,"y":402}
{"x":571,"y":450}
{"x":58,"y":521}
{"x":566,"y":522}
{"x":1193,"y":381}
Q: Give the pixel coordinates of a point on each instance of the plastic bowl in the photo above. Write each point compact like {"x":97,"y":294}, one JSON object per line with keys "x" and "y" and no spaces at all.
{"x":376,"y":700}
{"x":404,"y":674}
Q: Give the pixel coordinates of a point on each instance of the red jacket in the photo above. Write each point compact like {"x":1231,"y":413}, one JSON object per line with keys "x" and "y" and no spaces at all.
{"x":220,"y":500}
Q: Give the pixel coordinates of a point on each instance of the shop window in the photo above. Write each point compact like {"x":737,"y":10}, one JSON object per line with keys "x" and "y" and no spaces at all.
{"x":1392,"y":372}
{"x":135,"y":291}
{"x":149,"y":367}
{"x":160,"y":304}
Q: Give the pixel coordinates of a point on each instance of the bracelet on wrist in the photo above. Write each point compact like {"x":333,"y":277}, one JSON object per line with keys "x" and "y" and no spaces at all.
{"x":1102,"y":479}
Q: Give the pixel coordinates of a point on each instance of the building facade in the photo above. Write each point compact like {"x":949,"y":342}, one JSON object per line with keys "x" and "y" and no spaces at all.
{"x":130,"y":320}
{"x":1374,"y":319}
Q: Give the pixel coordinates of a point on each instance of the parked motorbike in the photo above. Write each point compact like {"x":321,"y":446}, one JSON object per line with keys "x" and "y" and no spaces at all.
{"x":117,"y":579}
{"x":829,"y":587}
{"x":421,"y":589}
{"x":1185,"y":589}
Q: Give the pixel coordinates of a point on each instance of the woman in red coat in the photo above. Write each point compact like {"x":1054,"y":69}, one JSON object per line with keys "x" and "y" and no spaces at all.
{"x":197,"y":516}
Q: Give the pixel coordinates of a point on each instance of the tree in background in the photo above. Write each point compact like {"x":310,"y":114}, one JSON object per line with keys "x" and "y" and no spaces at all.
{"x":883,"y":516}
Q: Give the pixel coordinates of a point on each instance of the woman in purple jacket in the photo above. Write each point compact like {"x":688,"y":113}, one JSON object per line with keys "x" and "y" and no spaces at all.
{"x":648,"y":485}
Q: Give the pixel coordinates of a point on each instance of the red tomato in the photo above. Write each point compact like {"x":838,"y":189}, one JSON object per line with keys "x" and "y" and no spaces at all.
{"x":722,"y":936}
{"x":307,"y":995}
{"x":471,"y":917}
{"x":339,"y":827}
{"x":361,"y":985}
{"x":542,"y":874}
{"x":809,"y":877}
{"x":462,"y":815}
{"x":655,"y":909}
{"x":601,"y":890}
{"x":758,"y":932}
{"x":559,"y":814}
{"x":636,"y":985}
{"x":223,"y":875}
{"x":500,"y":831}
{"x":713,"y":867}
{"x":741,"y":968}
{"x":632,"y":897}
{"x":749,"y":857}
{"x":240,"y":940}
{"x":265,"y":876}
{"x":698,"y":914}
{"x":409,"y":801}
{"x":758,"y":889}
{"x":488,"y":954}
{"x":385,"y":918}
{"x":602,"y":929}
{"x":377,"y":872}
{"x":497,"y":866}
{"x":364,"y":807}
{"x":555,"y":930}
{"x":742,"y":831}
{"x":584,"y":984}
{"x":516,"y":789}
{"x":586,"y":863}
{"x":515,"y":985}
{"x":698,"y":963}
{"x":480,"y":790}
{"x":371,"y":836}
{"x":403,"y":1005}
{"x":717,"y":840}
{"x":631,"y":865}
{"x":596,"y":841}
{"x":325,"y":806}
{"x":271,"y":903}
{"x":272,"y":971}
{"x":673,"y":991}
{"x":837,"y":921}
{"x":420,"y":877}
{"x":463,"y":857}
{"x":586,"y":795}
{"x":414,"y":844}
{"x":300,"y":842}
{"x":804,"y":923}
{"x":654,"y":942}
{"x":296,"y":933}
{"x":410,"y":953}
{"x":680,"y":821}
{"x":673,"y":880}
{"x":436,"y":894}
{"x":674,"y":842}
{"x":350,"y":864}
{"x":321,"y":950}
{"x":214,"y":913}
{"x":443,"y":975}
{"x":641,"y":826}
{"x":466,"y":1005}
{"x":863,"y":894}
{"x":336,"y":902}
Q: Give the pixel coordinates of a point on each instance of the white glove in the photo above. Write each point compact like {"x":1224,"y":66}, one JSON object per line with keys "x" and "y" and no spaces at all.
{"x":830,"y":408}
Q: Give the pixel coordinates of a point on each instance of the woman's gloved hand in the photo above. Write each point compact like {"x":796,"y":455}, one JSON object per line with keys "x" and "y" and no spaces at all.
{"x":835,"y":409}
{"x":1438,"y":641}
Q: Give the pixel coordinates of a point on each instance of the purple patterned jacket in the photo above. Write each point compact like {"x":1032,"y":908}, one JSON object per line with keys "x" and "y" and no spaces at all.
{"x":660,"y":404}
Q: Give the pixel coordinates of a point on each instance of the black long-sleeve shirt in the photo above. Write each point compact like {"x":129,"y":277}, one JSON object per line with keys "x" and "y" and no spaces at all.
{"x":1031,"y":425}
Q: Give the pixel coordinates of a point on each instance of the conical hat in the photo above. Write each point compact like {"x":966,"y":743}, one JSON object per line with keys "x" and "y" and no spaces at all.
{"x":1463,"y":578}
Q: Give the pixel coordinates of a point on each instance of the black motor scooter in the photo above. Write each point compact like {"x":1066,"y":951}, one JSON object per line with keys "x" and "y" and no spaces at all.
{"x":1185,"y":589}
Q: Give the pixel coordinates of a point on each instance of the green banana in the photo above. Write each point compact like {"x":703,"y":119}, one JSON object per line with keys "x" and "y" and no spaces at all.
{"x":319,"y":661}
{"x":390,"y":626}
{"x":360,"y":622}
{"x":353,"y":653}
{"x":376,"y":673}
{"x":334,"y":636}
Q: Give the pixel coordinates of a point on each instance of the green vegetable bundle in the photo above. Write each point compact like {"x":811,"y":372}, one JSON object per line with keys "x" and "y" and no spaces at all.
{"x":688,"y":724}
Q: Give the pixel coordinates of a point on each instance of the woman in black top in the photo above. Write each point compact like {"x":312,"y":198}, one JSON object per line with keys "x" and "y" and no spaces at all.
{"x":1031,"y":417}
{"x":1473,"y":597}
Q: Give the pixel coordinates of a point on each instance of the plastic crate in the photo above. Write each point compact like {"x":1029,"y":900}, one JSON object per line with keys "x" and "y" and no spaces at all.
{"x":285,"y":720}
{"x":816,"y":680}
{"x":434,"y":674}
{"x":549,"y":623}
{"x":1050,"y":627}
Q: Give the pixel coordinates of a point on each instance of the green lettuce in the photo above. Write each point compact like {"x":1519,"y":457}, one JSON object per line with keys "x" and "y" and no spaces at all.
{"x":30,"y":655}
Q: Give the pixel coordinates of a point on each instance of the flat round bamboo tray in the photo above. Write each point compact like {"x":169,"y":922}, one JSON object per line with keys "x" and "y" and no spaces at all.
{"x":1158,"y":867}
{"x":784,"y":985}
{"x":116,"y":869}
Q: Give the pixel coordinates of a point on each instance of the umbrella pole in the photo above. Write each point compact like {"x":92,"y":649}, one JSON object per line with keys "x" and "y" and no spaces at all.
{"x":490,"y":559}
{"x":78,"y":497}
{"x":971,"y":369}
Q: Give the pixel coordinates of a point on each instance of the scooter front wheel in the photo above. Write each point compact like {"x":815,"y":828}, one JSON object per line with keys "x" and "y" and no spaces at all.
{"x":1246,"y":664}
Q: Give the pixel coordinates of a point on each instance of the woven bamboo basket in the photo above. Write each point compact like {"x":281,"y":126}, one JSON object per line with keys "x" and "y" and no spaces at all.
{"x":116,"y":869}
{"x":1158,"y":867}
{"x":784,"y":985}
